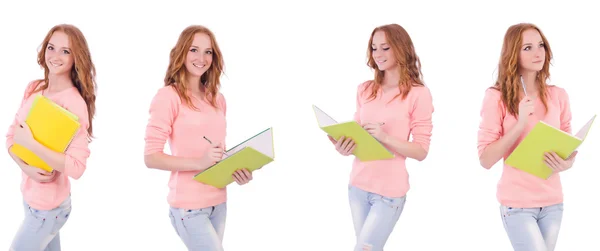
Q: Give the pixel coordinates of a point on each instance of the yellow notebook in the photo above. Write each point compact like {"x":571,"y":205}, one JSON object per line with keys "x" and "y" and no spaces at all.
{"x":367,"y":147}
{"x":52,"y":126}
{"x":251,"y":154}
{"x":529,"y":154}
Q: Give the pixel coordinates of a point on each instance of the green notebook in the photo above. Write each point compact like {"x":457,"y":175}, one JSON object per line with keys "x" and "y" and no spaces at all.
{"x":529,"y":154}
{"x":367,"y":147}
{"x":251,"y":154}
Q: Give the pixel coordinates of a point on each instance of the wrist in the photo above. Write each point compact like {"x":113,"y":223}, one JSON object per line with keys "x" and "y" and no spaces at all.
{"x":521,"y":125}
{"x":385,"y":138}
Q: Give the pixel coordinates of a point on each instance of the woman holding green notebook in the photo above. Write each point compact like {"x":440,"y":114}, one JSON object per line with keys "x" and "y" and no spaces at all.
{"x":189,"y":112}
{"x":391,"y":107}
{"x":69,"y":82}
{"x":531,"y":208}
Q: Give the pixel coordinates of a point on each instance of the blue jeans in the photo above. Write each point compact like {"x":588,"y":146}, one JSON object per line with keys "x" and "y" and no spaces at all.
{"x":374,"y":217}
{"x":39,"y":230}
{"x":532,"y":229}
{"x":200,"y":229}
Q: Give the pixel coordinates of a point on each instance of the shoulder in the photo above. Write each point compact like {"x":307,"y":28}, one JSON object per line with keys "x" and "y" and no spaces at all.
{"x":168,"y":92}
{"x":166,"y":95}
{"x":221,"y":102}
{"x":557,"y":92}
{"x":75,"y":103}
{"x":31,"y":86}
{"x":365,"y":85}
{"x":364,"y":88}
{"x":421,"y":90}
{"x":492,"y":95}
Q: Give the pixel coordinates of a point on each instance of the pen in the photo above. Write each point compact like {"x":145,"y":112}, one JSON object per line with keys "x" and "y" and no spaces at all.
{"x":211,"y":144}
{"x":523,"y":83}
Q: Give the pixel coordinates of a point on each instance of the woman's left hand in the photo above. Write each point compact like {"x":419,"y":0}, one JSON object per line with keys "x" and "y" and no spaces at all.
{"x":23,"y":136}
{"x":557,"y":164}
{"x":242,"y":176}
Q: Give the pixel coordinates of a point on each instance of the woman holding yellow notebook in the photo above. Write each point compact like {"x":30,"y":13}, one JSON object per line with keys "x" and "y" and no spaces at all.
{"x":531,"y":208}
{"x":189,"y":112}
{"x":394,"y":105}
{"x":68,"y":82}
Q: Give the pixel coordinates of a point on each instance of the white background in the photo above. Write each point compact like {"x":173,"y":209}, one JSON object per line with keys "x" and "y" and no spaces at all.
{"x":280,"y":59}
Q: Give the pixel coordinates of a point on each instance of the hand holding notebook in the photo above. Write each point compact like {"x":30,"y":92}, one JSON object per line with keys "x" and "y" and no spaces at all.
{"x":50,"y":125}
{"x":367,"y":147}
{"x":244,"y":158}
{"x":558,"y":164}
{"x":23,"y":136}
{"x":345,"y":146}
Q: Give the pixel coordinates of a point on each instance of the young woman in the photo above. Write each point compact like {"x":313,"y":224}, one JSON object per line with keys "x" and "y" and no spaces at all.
{"x":391,"y":107}
{"x":531,"y":208}
{"x":68,"y":81}
{"x":189,"y":111}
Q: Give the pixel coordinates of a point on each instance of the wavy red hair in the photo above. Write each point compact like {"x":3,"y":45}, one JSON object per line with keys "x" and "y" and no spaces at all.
{"x":409,"y":64}
{"x":177,"y":74}
{"x":83,"y":73}
{"x":508,"y":81}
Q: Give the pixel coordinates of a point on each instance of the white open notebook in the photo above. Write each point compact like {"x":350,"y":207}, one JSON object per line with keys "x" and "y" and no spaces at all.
{"x":262,"y":142}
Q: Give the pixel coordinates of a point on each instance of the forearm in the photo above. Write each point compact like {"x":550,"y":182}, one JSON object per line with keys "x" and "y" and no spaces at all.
{"x":496,"y":150}
{"x":409,"y":149}
{"x":56,"y":160}
{"x":162,"y":161}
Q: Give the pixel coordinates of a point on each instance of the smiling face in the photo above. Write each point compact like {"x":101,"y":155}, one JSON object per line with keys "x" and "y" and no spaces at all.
{"x":532,"y":54}
{"x":58,"y":55}
{"x":200,"y":55}
{"x":382,"y":52}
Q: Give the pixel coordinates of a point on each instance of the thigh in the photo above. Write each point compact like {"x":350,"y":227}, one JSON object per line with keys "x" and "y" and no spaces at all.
{"x":359,"y":207}
{"x":522,"y":228}
{"x":54,"y":245}
{"x":40,"y":227}
{"x":218,"y":219}
{"x":195,"y":229}
{"x":380,"y":222}
{"x":549,"y":222}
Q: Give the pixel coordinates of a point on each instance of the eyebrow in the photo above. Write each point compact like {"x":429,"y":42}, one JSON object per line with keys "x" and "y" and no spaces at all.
{"x":61,"y":47}
{"x":193,"y":46}
{"x":381,"y":44}
{"x":541,"y":41}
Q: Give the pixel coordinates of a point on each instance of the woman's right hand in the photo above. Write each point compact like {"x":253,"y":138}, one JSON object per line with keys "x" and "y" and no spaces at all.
{"x":345,"y":146}
{"x":213,"y":155}
{"x":37,"y":174}
{"x":526,"y":109}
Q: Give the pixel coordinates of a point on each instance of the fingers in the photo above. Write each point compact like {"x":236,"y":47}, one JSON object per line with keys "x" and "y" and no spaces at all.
{"x":242,"y":176}
{"x":572,"y":155}
{"x":332,"y":139}
{"x":339,"y":143}
{"x":236,"y":177}
{"x":44,"y":178}
{"x":351,"y":149}
{"x":552,"y":162}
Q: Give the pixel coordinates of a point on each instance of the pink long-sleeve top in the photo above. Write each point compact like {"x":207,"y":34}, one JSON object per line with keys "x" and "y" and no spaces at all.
{"x":402,"y":118}
{"x":517,"y":188}
{"x":184,"y":128}
{"x":49,"y":195}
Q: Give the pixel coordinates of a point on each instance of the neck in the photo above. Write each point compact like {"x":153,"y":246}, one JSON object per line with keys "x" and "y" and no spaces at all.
{"x":391,"y":77}
{"x":194,"y":85}
{"x":529,"y":80}
{"x":58,"y":83}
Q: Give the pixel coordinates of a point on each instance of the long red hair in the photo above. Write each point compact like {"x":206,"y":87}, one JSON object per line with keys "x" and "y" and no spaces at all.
{"x":83,"y":73}
{"x":177,"y":73}
{"x":508,"y":81}
{"x":408,"y":61}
